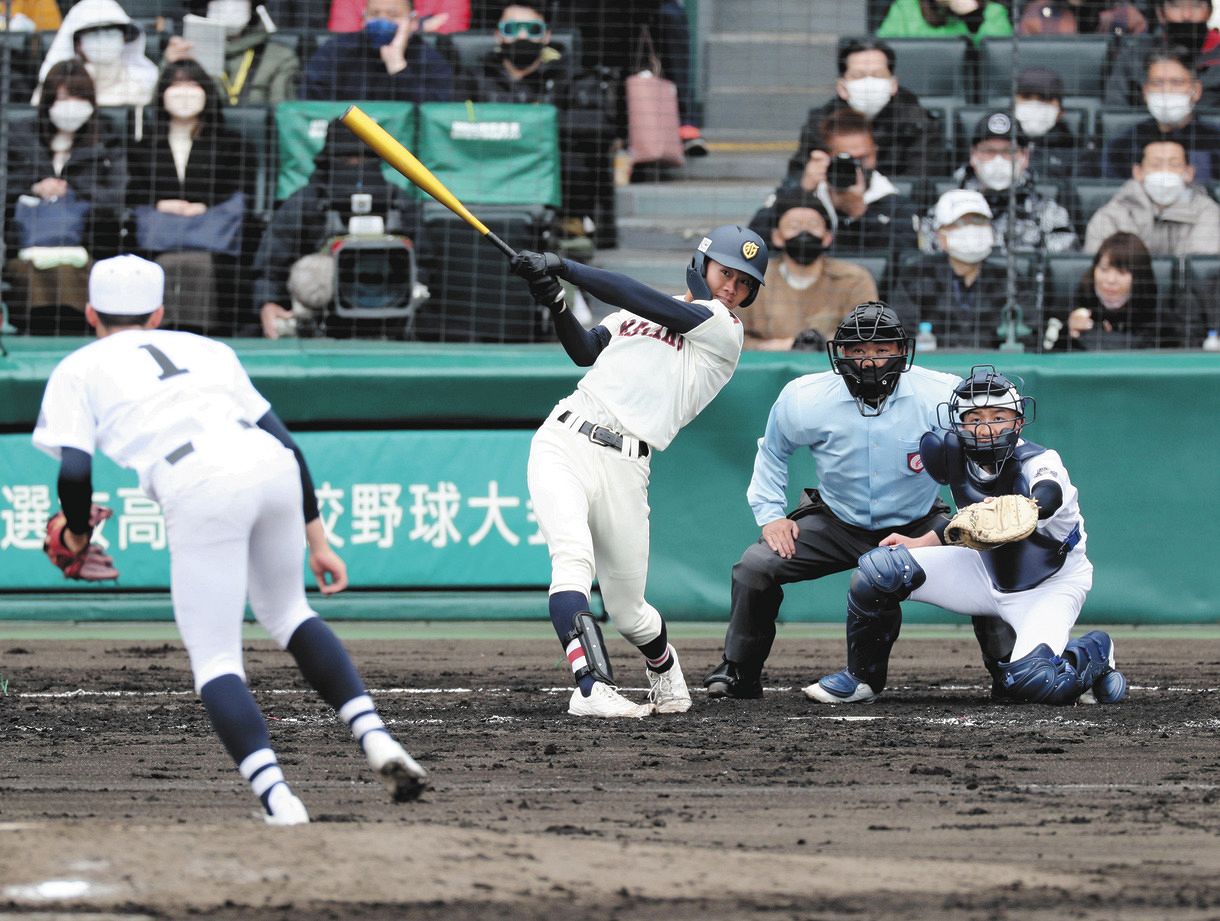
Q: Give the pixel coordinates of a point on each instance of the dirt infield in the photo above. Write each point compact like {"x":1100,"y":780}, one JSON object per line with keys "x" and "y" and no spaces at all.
{"x":932,"y":803}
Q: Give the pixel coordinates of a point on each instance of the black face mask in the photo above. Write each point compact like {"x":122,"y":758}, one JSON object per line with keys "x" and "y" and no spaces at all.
{"x":521,"y":52}
{"x":804,"y":248}
{"x":1189,"y":35}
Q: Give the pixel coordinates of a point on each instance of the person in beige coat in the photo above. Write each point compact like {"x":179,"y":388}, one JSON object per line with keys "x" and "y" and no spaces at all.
{"x":1162,"y":206}
{"x":804,"y":288}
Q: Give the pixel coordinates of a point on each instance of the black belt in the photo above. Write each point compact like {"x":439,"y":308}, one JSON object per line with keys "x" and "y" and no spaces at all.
{"x":600,"y":435}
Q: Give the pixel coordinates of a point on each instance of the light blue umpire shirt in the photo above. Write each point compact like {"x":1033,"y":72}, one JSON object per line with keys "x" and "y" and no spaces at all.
{"x":869,"y":470}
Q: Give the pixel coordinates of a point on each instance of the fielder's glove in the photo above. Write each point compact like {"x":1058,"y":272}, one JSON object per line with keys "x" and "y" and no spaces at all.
{"x":534,"y":266}
{"x":993,"y":522}
{"x":92,"y":564}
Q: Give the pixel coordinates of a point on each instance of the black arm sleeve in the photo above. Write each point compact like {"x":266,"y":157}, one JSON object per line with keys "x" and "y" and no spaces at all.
{"x":637,"y":297}
{"x":271,"y":424}
{"x":582,"y":345}
{"x":1049,"y":496}
{"x":76,"y":488}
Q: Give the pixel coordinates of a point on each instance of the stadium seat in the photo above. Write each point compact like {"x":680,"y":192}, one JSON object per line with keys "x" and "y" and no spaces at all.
{"x":1079,"y":59}
{"x":471,"y":47}
{"x":932,"y":66}
{"x":878,"y":265}
{"x":254,"y":124}
{"x":1093,"y":193}
{"x":1201,"y":279}
{"x":474,"y":299}
{"x":1062,"y":276}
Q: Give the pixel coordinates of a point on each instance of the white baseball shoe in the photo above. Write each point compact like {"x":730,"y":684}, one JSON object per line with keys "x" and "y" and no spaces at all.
{"x":400,"y":773}
{"x":285,"y":808}
{"x":606,"y":701}
{"x":668,"y":691}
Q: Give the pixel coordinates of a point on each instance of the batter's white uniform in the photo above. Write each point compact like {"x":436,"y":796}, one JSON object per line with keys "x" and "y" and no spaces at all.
{"x":591,"y":500}
{"x":180,"y":410}
{"x":957,"y":580}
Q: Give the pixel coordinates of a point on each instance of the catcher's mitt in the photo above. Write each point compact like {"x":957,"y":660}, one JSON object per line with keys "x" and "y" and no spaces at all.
{"x":92,"y":564}
{"x":993,"y":522}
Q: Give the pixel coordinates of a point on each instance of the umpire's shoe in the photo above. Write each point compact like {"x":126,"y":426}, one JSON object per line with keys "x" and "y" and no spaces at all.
{"x":841,"y":688}
{"x":730,"y":680}
{"x":400,"y":773}
{"x":667,"y":690}
{"x":606,"y":701}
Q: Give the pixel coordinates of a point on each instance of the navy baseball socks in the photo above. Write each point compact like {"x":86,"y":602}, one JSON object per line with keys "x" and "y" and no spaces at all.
{"x":242,"y":730}
{"x":667,"y":685}
{"x":328,"y":668}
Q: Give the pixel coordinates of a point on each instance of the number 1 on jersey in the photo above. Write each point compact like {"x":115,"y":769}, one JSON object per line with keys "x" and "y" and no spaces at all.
{"x":168,"y":368}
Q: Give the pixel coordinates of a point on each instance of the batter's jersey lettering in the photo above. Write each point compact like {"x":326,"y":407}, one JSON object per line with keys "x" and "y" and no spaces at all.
{"x":651,"y":381}
{"x":137,"y":395}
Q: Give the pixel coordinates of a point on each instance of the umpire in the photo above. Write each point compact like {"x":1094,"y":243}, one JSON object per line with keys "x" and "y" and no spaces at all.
{"x":862,"y":422}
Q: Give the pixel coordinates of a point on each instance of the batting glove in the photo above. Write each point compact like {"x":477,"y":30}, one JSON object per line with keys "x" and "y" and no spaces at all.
{"x":534,"y":267}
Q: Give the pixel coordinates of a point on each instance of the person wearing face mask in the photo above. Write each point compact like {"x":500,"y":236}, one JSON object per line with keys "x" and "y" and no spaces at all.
{"x":1114,"y":306}
{"x":1178,"y":24}
{"x":100,"y":33}
{"x":524,"y":68}
{"x":1042,"y":223}
{"x":977,"y":19}
{"x":1054,"y":152}
{"x":1171,"y":94}
{"x":187,"y":163}
{"x":957,"y":289}
{"x":381,"y":62}
{"x":1162,"y":205}
{"x":805,"y":288}
{"x":909,"y":141}
{"x":65,"y":151}
{"x":257,"y":71}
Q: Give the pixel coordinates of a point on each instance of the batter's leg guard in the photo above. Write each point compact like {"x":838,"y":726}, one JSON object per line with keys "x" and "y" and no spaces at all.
{"x":996,"y":640}
{"x":585,"y":641}
{"x":1093,"y":656}
{"x":1041,"y":677}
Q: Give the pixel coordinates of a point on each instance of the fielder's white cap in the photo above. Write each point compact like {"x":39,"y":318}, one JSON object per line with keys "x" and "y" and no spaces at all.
{"x":126,"y":286}
{"x":957,"y":203}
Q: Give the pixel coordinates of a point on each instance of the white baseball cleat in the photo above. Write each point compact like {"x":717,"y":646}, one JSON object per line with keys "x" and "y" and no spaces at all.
{"x":285,"y":808}
{"x":606,"y":701}
{"x":400,"y":773}
{"x":668,"y":691}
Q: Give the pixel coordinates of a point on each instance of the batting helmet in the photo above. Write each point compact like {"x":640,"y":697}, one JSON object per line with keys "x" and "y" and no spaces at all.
{"x":870,"y":381}
{"x":988,"y":444}
{"x":734,"y":246}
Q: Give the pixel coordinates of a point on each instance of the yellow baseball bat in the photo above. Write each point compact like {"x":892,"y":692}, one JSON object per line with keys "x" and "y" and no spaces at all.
{"x":386,"y":146}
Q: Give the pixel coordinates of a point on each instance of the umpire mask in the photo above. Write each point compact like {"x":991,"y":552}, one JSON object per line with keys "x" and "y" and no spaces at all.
{"x":871,"y":378}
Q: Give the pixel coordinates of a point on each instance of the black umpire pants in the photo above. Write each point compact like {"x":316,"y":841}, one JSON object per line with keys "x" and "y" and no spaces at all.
{"x":824,"y":545}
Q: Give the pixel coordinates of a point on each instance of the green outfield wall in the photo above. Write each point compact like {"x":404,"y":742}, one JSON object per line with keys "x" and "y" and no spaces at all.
{"x":419,"y":454}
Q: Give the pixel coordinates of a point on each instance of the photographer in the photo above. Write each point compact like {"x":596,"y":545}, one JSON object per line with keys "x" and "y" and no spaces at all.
{"x":288,"y":267}
{"x":866,"y":212}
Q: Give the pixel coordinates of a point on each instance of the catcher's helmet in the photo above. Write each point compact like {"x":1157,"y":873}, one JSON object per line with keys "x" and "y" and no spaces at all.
{"x":734,"y":246}
{"x":873,"y":380}
{"x":988,"y":444}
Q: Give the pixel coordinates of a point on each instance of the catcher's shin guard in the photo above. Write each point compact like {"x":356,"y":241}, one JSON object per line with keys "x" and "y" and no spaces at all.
{"x":869,"y":641}
{"x":1041,"y":677}
{"x":996,"y":639}
{"x":597,"y":662}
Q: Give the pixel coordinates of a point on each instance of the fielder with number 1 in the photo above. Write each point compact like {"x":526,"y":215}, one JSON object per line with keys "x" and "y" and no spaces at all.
{"x":239,"y":510}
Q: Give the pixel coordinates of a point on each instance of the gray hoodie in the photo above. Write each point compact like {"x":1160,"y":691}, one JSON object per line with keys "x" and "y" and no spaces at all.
{"x":1190,"y":226}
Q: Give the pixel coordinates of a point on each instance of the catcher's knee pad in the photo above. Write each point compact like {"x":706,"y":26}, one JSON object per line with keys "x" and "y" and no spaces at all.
{"x":1040,"y":677}
{"x":883,"y":577}
{"x":593,"y":645}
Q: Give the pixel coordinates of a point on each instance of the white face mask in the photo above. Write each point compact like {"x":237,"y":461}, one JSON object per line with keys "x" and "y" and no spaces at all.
{"x":1169,"y":108}
{"x":184,"y":100}
{"x":970,"y":244}
{"x":1037,"y":118}
{"x":69,"y":114}
{"x":1164,"y":188}
{"x":105,"y":46}
{"x":996,"y":173}
{"x":233,"y":14}
{"x":963,"y":7}
{"x":869,"y":95}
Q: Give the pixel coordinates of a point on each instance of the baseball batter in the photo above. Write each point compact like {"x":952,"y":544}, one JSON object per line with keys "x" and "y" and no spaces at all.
{"x":656,"y":363}
{"x":180,"y":410}
{"x":1035,"y":585}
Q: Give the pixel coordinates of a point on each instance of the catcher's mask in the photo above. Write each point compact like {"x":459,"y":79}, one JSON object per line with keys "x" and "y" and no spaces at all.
{"x":870,"y":380}
{"x":987,"y":443}
{"x":734,"y":246}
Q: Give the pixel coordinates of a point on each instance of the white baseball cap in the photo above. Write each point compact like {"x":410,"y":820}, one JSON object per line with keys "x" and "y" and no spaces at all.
{"x":126,"y":286}
{"x":956,"y":203}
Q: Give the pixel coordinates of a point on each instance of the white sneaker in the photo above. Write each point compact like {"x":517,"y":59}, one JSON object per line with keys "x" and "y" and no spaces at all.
{"x":285,"y":808}
{"x":400,"y":773}
{"x":605,"y":701}
{"x":669,"y":693}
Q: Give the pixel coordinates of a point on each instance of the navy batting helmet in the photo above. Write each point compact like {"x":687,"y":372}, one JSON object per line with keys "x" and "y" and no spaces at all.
{"x":870,"y":381}
{"x":734,"y":246}
{"x":986,"y":442}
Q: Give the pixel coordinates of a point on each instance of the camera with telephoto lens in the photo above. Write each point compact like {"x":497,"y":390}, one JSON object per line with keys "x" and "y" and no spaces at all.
{"x":843,"y":171}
